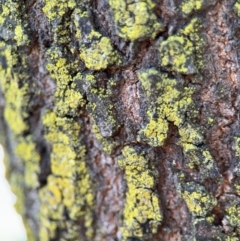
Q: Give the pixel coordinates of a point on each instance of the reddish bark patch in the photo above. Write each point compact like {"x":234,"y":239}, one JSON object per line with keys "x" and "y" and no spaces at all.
{"x":130,"y":96}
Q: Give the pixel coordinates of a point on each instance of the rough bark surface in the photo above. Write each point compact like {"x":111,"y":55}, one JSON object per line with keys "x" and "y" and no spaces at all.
{"x":120,"y":119}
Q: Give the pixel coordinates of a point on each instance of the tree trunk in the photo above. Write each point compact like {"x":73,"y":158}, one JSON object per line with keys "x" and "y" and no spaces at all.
{"x":120,"y":119}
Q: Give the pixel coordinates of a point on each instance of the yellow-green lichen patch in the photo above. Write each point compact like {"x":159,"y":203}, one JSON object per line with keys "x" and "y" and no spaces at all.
{"x":59,"y":196}
{"x":52,"y":207}
{"x":5,"y":12}
{"x":210,"y":120}
{"x":188,"y":6}
{"x":208,"y":161}
{"x":230,"y":238}
{"x":198,"y":200}
{"x":145,"y":78}
{"x":24,"y":174}
{"x":190,"y":135}
{"x":177,"y":54}
{"x":142,"y":204}
{"x":99,"y":55}
{"x":69,"y":99}
{"x":155,"y":132}
{"x":200,"y":159}
{"x":16,"y":99}
{"x":20,"y":36}
{"x":237,"y":187}
{"x":182,"y":53}
{"x":191,"y":31}
{"x":17,"y":186}
{"x":58,"y":14}
{"x":73,"y":189}
{"x":237,"y":146}
{"x":96,"y":50}
{"x":26,"y":151}
{"x":210,"y":219}
{"x":135,"y":19}
{"x":69,"y":184}
{"x":55,"y":9}
{"x":12,"y":24}
{"x":14,"y":96}
{"x":233,"y":214}
{"x":13,"y":109}
{"x":170,"y":104}
{"x":237,"y":7}
{"x":63,"y":137}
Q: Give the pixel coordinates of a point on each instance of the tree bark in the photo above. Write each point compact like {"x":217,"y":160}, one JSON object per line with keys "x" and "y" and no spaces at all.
{"x":120,"y":119}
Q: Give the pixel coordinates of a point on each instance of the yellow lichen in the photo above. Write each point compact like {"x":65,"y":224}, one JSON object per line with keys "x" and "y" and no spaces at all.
{"x":228,"y":238}
{"x":233,"y":214}
{"x":181,"y":53}
{"x":191,"y":30}
{"x":142,"y":204}
{"x":190,"y":135}
{"x":73,"y":185}
{"x":237,"y":7}
{"x":69,"y":186}
{"x":135,"y":20}
{"x":15,"y":114}
{"x":57,"y":8}
{"x":26,"y":150}
{"x":189,"y":6}
{"x":208,"y":160}
{"x":210,"y":120}
{"x":169,"y":106}
{"x":20,"y":36}
{"x":99,"y":55}
{"x":69,"y":98}
{"x":14,"y":96}
{"x":12,"y":25}
{"x":198,"y":200}
{"x":15,"y":111}
{"x":237,"y":146}
{"x":177,"y":53}
{"x":210,"y":219}
{"x":96,"y":50}
{"x":5,"y":11}
{"x":155,"y":131}
{"x":69,"y":181}
{"x":237,"y":188}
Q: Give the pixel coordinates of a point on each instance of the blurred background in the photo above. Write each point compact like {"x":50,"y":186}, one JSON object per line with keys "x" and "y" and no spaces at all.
{"x":11,"y":226}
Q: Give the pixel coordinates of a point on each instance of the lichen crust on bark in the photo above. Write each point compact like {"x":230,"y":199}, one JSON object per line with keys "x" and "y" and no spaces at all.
{"x":120,"y":118}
